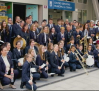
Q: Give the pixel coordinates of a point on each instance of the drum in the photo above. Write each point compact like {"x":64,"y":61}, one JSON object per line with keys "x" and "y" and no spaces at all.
{"x":33,"y":70}
{"x":66,"y":58}
{"x":90,"y":60}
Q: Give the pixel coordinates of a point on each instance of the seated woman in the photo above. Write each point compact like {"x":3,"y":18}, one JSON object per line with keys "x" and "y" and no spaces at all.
{"x":36,"y":75}
{"x":56,"y":63}
{"x":27,"y":78}
{"x":40,"y":60}
{"x":7,"y":74}
{"x":17,"y":54}
{"x":61,"y":53}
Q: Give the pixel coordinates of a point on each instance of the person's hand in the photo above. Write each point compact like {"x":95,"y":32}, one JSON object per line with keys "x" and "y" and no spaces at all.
{"x":31,"y":83}
{"x":69,"y":52}
{"x":98,"y":54}
{"x":63,"y":39}
{"x":59,"y":68}
{"x":82,"y":38}
{"x":9,"y":76}
{"x":77,"y":58}
{"x":47,"y":63}
{"x":49,"y":40}
{"x":40,"y":67}
{"x":62,"y":60}
{"x":78,"y":35}
{"x":19,"y":64}
{"x":46,"y":68}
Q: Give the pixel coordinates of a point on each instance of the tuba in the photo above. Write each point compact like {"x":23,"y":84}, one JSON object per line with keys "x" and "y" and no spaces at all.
{"x":22,"y":40}
{"x":97,"y":36}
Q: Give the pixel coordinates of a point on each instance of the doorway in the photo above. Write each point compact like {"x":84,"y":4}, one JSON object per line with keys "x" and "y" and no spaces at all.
{"x":19,"y":10}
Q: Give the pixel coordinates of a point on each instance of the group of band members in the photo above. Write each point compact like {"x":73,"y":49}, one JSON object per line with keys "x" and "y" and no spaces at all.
{"x":54,"y":41}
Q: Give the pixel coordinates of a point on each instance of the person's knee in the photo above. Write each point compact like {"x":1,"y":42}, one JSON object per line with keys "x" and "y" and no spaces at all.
{"x":5,"y":81}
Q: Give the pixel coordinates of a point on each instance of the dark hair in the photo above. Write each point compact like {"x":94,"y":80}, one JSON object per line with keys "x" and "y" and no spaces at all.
{"x":72,"y":46}
{"x":72,"y":38}
{"x":44,"y":20}
{"x":51,"y":30}
{"x":50,"y":19}
{"x":58,"y":20}
{"x":35,"y":22}
{"x":1,"y":48}
{"x":6,"y":43}
{"x":18,"y":42}
{"x":6,"y":28}
{"x":80,"y":45}
{"x":23,"y":29}
{"x":31,"y":41}
{"x":84,"y":27}
{"x":26,"y":18}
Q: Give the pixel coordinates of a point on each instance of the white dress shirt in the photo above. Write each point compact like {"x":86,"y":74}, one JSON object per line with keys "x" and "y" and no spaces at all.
{"x":45,"y":36}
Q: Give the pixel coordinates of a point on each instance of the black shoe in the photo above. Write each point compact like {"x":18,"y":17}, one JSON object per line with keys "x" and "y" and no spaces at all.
{"x":61,"y":75}
{"x":52,"y":75}
{"x":21,"y":86}
{"x":34,"y":82}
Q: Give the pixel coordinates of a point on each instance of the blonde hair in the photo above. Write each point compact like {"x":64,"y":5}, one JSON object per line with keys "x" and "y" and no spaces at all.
{"x":62,"y":28}
{"x":25,"y":57}
{"x":31,"y":28}
{"x":42,"y":55}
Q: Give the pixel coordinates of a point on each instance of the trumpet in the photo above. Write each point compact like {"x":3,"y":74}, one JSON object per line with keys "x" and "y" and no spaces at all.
{"x":81,"y":62}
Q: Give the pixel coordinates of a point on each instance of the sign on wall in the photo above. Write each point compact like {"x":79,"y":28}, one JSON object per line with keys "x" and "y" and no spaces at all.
{"x":3,"y":18}
{"x":3,"y":8}
{"x":61,"y":5}
{"x":32,"y":10}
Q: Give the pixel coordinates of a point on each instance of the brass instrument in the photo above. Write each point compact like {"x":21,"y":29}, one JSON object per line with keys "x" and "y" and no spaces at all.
{"x":81,"y":61}
{"x":22,"y":40}
{"x":97,"y":36}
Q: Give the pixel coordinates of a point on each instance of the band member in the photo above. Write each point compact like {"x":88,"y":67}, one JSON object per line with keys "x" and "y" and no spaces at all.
{"x":33,"y":34}
{"x":16,"y":29}
{"x":58,"y":26}
{"x":61,"y":53}
{"x":17,"y":54}
{"x":28,"y":22}
{"x":69,"y":33}
{"x":43,"y":37}
{"x":62,"y":23}
{"x":50,"y":24}
{"x":5,"y":32}
{"x":25,"y":34}
{"x":90,"y":50}
{"x":61,"y":35}
{"x":91,"y":43}
{"x":22,"y":23}
{"x":53,"y":35}
{"x":71,"y":43}
{"x":26,"y":74}
{"x":77,"y":35}
{"x":8,"y":46}
{"x":40,"y":60}
{"x":36,"y":75}
{"x":96,"y":55}
{"x":86,"y":30}
{"x":97,"y":29}
{"x":74,"y":63}
{"x":31,"y":46}
{"x":80,"y":50}
{"x":31,"y":18}
{"x":7,"y":74}
{"x":92,"y":31}
{"x":56,"y":63}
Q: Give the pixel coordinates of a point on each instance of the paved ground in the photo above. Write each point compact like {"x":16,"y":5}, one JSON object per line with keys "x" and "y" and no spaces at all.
{"x":71,"y":81}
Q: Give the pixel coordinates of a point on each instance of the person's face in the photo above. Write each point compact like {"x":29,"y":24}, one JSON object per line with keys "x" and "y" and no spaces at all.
{"x":77,"y":30}
{"x":76,"y":24}
{"x":51,"y":21}
{"x":43,"y":24}
{"x":53,"y":30}
{"x":86,"y":26}
{"x":72,"y":41}
{"x":59,"y":22}
{"x":31,"y":17}
{"x":51,"y":47}
{"x":68,"y":28}
{"x":43,"y":49}
{"x":46,"y":29}
{"x":22,"y":23}
{"x":29,"y":58}
{"x":18,"y":45}
{"x":26,"y":27}
{"x":34,"y":28}
{"x":32,"y":43}
{"x":36,"y":24}
{"x":73,"y":49}
{"x":90,"y":41}
{"x":67,"y":22}
{"x":61,"y":45}
{"x":80,"y":48}
{"x":62,"y":31}
{"x":32,"y":53}
{"x":56,"y":48}
{"x":8,"y":47}
{"x":62,"y":22}
{"x":92,"y":24}
{"x":18,"y":19}
{"x":89,"y":48}
{"x":4,"y":24}
{"x":4,"y":51}
{"x":10,"y":21}
{"x":98,"y":23}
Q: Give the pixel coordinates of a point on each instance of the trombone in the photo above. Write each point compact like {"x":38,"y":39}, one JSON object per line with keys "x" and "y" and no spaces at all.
{"x":81,"y":61}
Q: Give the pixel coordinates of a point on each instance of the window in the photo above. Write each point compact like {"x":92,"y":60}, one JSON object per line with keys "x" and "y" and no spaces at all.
{"x":68,"y":15}
{"x":82,"y":1}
